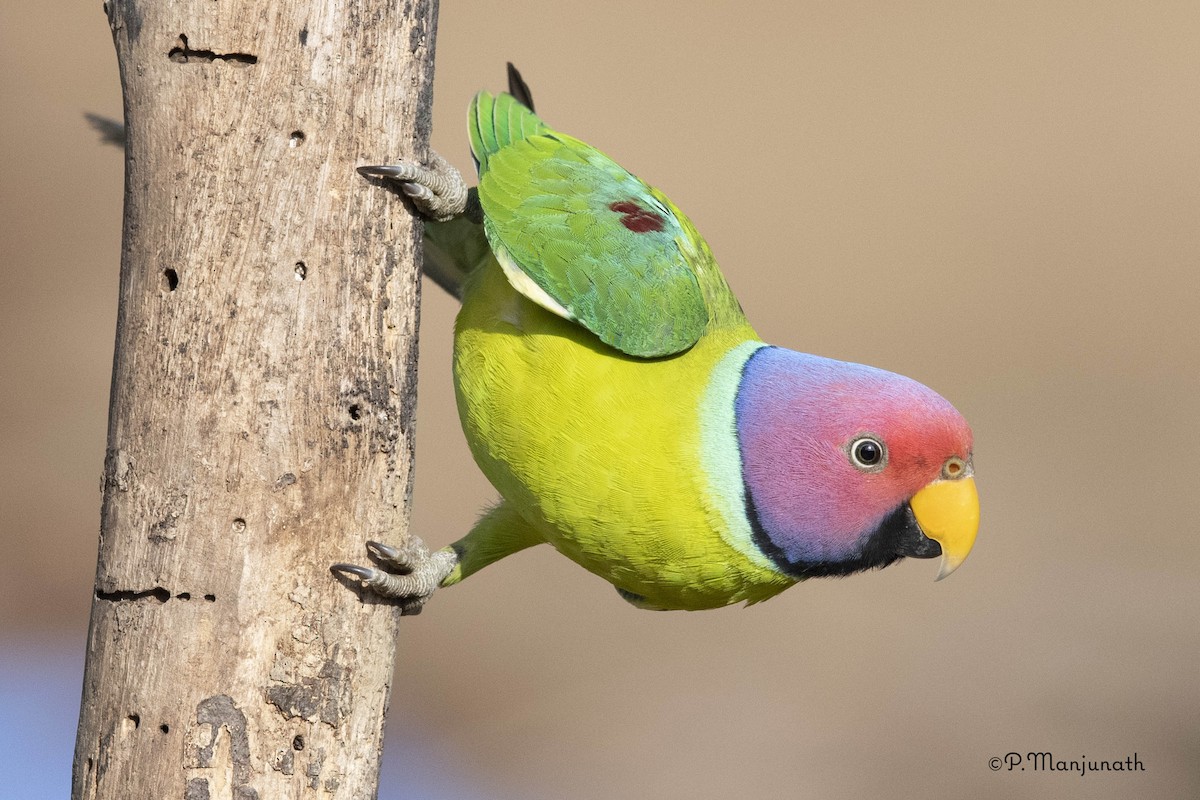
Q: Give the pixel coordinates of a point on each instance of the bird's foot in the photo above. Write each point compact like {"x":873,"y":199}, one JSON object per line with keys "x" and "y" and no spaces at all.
{"x":420,"y":572}
{"x":437,"y":190}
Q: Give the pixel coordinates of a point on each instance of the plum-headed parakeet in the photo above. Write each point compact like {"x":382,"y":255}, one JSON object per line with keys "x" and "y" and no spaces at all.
{"x":615,"y":395}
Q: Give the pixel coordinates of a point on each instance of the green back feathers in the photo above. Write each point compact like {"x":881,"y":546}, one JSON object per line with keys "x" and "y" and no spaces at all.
{"x":582,"y":237}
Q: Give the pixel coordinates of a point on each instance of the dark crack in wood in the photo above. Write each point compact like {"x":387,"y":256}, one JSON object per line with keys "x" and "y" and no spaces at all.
{"x":183,"y":53}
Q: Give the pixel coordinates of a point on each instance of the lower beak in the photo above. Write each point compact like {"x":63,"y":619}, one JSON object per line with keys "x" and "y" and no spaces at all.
{"x":948,"y":513}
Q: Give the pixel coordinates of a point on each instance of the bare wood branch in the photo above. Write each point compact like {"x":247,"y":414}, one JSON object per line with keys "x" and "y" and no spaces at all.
{"x":262,"y":401}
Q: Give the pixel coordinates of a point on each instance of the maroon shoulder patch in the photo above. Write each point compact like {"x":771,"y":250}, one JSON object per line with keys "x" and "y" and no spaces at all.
{"x":636,"y":218}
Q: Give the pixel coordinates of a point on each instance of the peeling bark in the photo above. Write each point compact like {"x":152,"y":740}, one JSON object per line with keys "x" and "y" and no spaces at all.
{"x":261,"y":421}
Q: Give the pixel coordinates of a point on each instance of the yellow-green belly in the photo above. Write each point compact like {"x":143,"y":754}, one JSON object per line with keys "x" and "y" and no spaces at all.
{"x":600,"y":453}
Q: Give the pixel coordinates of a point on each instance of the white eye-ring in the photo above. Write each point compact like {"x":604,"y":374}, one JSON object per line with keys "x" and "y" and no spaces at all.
{"x":867,"y":454}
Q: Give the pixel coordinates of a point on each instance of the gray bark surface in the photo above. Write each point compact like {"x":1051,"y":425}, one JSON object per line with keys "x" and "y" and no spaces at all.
{"x":261,"y":421}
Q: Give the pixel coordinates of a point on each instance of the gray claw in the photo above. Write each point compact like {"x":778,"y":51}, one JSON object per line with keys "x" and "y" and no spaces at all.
{"x":422,"y":572}
{"x":437,"y":190}
{"x":384,"y":551}
{"x":364,"y":573}
{"x":380,"y":171}
{"x":418,"y":194}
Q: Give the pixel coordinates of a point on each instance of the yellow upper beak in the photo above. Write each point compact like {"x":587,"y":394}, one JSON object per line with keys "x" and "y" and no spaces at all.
{"x":948,"y":513}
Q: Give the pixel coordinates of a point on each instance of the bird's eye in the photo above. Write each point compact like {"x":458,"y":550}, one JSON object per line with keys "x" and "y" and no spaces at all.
{"x":954,"y":468}
{"x":868,"y":454}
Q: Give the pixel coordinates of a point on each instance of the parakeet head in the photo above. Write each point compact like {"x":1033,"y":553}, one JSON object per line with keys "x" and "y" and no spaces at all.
{"x":848,"y":467}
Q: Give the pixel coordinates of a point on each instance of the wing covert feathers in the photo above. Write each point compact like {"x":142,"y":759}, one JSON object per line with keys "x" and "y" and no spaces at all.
{"x":585,"y":239}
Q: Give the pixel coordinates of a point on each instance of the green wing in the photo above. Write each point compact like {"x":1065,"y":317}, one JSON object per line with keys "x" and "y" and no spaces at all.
{"x":578,"y":234}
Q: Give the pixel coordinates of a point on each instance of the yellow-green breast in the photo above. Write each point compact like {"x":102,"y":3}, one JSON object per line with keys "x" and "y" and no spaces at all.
{"x":605,"y":454}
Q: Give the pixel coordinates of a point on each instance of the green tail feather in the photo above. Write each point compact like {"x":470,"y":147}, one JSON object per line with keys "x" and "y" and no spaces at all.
{"x":495,"y":122}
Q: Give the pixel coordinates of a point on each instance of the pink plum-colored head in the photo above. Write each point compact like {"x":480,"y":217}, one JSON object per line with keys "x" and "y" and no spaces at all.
{"x":832,"y":454}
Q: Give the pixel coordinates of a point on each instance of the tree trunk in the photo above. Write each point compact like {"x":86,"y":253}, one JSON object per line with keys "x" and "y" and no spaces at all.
{"x":261,"y":424}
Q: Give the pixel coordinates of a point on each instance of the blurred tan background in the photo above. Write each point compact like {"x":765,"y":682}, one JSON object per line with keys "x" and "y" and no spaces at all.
{"x":1000,"y":200}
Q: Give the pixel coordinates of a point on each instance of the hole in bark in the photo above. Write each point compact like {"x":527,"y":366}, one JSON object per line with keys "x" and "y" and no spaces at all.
{"x":301,"y":271}
{"x":356,"y":411}
{"x":184,"y":596}
{"x":135,"y":719}
{"x":296,"y":139}
{"x":183,"y":53}
{"x":165,"y":728}
{"x":171,"y":278}
{"x":159,"y":593}
{"x":304,"y":37}
{"x":239,"y":525}
{"x":212,"y":598}
{"x":298,"y":743}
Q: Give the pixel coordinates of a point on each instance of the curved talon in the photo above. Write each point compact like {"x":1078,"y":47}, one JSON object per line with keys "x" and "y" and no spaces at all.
{"x":421,"y":572}
{"x":384,"y":551}
{"x":416,"y":191}
{"x":437,"y":190}
{"x":385,"y":171}
{"x":364,"y":573}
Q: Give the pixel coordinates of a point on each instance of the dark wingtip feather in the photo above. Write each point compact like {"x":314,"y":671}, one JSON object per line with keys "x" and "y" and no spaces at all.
{"x":518,"y":88}
{"x":113,"y":132}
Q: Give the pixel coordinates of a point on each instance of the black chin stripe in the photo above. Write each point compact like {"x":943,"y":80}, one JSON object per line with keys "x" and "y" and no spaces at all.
{"x":896,"y":537}
{"x":798,"y":570}
{"x":762,"y":539}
